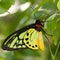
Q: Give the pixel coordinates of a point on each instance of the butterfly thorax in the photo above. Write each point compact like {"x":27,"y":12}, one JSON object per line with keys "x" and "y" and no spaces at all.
{"x":38,"y":25}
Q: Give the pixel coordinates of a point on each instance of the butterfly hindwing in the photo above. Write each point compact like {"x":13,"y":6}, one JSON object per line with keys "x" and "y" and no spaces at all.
{"x":34,"y":39}
{"x":30,"y":39}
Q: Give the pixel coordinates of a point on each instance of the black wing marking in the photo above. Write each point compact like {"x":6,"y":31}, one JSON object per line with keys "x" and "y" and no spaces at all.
{"x":8,"y":45}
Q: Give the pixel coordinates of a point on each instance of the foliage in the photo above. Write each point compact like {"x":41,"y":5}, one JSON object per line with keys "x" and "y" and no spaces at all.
{"x":48,"y":10}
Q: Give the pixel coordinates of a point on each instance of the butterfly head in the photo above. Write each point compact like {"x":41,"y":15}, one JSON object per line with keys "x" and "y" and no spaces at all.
{"x":39,"y":24}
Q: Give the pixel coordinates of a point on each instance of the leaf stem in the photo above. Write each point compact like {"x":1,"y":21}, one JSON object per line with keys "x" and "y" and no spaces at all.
{"x":50,"y":48}
{"x":53,"y":56}
{"x":56,"y":50}
{"x":51,"y":52}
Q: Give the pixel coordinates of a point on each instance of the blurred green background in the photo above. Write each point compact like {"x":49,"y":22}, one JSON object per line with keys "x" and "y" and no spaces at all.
{"x":15,"y":14}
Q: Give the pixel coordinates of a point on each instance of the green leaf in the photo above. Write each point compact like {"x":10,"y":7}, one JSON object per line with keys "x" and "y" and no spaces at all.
{"x":5,"y":5}
{"x":42,"y":2}
{"x":52,"y":17}
{"x":24,"y":1}
{"x":58,"y":5}
{"x":51,"y":27}
{"x":2,"y":10}
{"x":50,"y":6}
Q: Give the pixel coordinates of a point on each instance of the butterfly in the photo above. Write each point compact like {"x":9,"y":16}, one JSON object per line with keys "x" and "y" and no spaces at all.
{"x":28,"y":37}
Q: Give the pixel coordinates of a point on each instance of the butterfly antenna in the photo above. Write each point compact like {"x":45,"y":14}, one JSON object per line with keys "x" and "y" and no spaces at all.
{"x":35,"y":17}
{"x":34,"y":14}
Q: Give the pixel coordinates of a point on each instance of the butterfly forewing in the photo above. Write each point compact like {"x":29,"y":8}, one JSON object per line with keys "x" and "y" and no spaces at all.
{"x":15,"y":41}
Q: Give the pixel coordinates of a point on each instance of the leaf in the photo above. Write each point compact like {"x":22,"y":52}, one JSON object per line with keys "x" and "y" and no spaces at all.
{"x":2,"y":10}
{"x":24,"y":1}
{"x":51,"y":27}
{"x":40,"y":5}
{"x":50,"y":6}
{"x":58,"y":5}
{"x":52,"y":17}
{"x":5,"y":5}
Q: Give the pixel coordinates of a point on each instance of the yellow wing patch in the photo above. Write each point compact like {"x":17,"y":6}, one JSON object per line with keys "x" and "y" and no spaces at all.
{"x":40,"y":41}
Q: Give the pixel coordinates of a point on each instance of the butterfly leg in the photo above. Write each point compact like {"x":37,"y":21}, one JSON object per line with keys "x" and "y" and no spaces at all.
{"x":46,"y":33}
{"x":48,"y":38}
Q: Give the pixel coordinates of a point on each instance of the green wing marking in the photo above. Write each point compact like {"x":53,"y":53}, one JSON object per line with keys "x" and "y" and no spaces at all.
{"x":16,"y":41}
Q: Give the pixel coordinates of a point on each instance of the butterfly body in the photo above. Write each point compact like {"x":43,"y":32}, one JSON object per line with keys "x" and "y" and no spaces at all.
{"x":27,"y":37}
